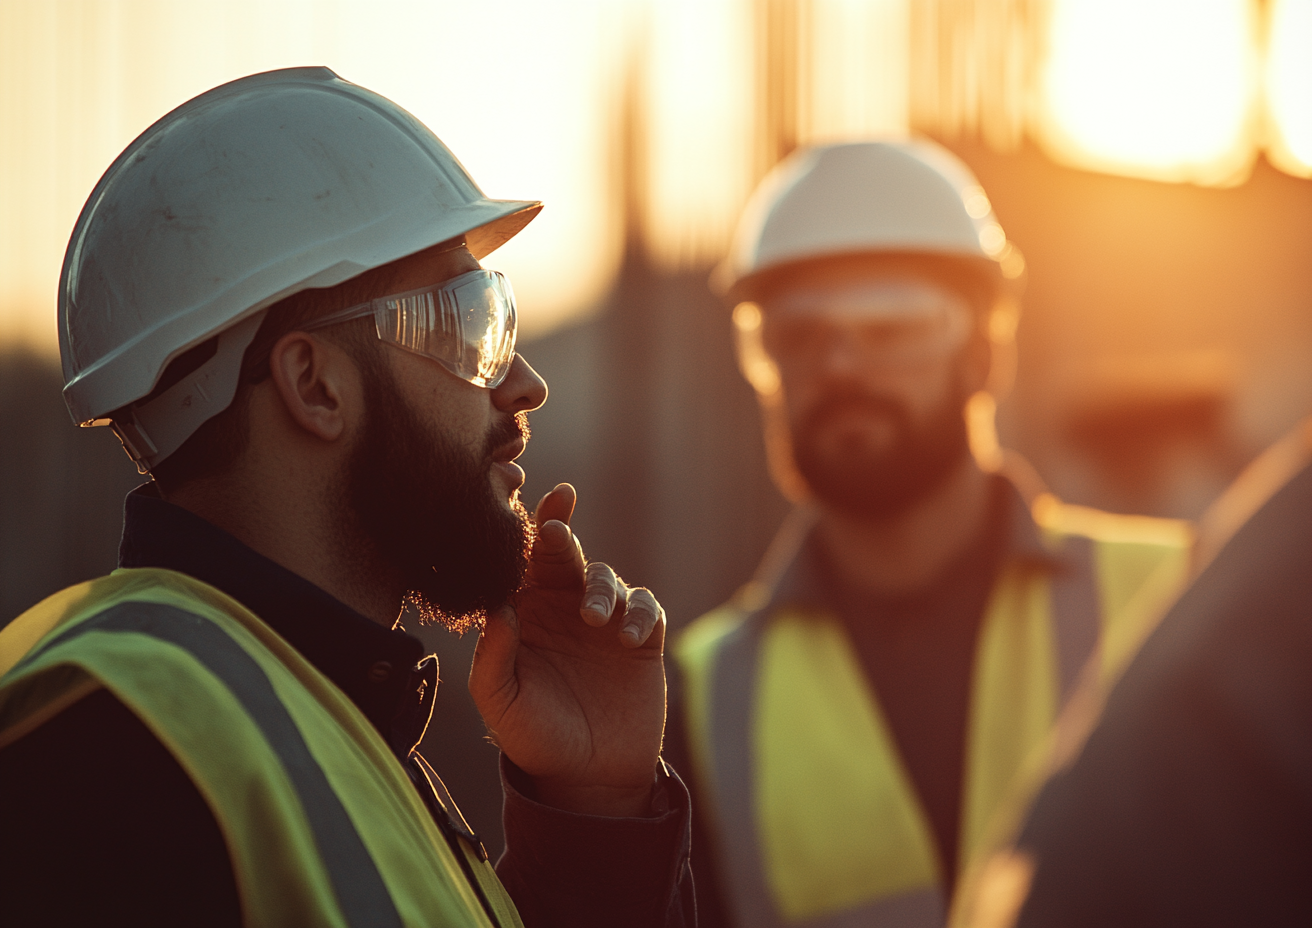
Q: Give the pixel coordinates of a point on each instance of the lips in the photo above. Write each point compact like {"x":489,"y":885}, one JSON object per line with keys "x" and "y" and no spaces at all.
{"x":503,"y":461}
{"x":509,"y":451}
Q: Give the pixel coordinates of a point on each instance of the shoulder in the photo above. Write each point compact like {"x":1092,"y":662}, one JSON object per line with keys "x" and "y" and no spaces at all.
{"x":142,"y":635}
{"x":83,"y":601}
{"x":1056,"y":518}
{"x":1139,"y":564}
{"x":1136,"y":558}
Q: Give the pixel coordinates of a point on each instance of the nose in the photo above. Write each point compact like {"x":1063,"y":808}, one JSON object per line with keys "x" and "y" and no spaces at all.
{"x":523,"y":390}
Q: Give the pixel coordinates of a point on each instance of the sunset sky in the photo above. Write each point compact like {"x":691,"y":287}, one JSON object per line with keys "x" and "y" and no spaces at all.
{"x":527,"y":94}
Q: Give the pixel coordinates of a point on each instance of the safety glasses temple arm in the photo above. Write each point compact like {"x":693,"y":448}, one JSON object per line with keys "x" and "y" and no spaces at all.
{"x":358,"y":311}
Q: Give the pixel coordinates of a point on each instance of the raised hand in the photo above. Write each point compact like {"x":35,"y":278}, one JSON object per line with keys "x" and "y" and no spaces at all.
{"x":569,"y":676}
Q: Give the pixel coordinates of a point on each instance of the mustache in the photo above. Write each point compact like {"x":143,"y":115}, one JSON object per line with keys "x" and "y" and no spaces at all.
{"x":504,"y":432}
{"x":837,"y":403}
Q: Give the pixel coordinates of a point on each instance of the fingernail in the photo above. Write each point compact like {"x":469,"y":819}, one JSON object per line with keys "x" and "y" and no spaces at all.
{"x":631,"y":632}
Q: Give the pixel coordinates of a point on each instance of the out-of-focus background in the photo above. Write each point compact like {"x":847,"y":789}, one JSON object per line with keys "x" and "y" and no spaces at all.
{"x":1149,"y":157}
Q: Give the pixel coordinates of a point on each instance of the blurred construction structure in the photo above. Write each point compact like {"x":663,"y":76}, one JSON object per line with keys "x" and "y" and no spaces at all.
{"x":1165,"y":339}
{"x":1166,"y":334}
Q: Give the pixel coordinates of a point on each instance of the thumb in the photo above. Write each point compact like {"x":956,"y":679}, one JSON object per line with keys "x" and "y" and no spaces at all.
{"x":492,"y":679}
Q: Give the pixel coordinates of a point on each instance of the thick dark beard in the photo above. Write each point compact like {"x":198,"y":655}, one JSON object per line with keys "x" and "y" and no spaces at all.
{"x":429,"y":509}
{"x":885,"y":486}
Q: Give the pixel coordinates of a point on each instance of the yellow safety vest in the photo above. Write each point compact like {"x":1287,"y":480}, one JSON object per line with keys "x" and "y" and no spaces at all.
{"x":815,"y":818}
{"x":322,"y":825}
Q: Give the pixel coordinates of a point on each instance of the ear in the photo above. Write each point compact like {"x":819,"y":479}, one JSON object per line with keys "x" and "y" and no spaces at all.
{"x":314,"y":379}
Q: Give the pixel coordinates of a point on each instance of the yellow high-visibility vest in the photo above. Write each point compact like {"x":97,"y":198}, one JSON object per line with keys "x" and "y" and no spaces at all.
{"x":815,"y":819}
{"x":322,"y":824}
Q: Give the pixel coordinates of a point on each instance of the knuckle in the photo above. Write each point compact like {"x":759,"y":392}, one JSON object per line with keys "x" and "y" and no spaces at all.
{"x":599,"y":577}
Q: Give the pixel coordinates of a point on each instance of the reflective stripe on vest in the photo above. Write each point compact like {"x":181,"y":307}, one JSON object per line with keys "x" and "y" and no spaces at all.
{"x":733,"y":722}
{"x":322,"y":824}
{"x":787,"y":706}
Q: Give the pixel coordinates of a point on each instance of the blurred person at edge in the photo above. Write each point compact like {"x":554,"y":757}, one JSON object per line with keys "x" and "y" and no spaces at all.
{"x":274,"y":295}
{"x":1183,"y":796}
{"x":855,"y":714}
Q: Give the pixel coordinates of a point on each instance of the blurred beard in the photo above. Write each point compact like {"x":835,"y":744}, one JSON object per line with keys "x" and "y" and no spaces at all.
{"x":428,"y":507}
{"x":887,"y":484}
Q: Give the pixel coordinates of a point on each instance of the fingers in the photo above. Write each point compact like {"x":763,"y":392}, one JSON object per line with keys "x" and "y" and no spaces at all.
{"x":601,"y":591}
{"x":606,"y":595}
{"x":557,"y":562}
{"x":642,"y":616}
{"x":558,"y":505}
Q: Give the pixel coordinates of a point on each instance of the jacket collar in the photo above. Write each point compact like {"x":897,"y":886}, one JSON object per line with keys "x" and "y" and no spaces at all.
{"x":801,"y":579}
{"x":383,"y":671}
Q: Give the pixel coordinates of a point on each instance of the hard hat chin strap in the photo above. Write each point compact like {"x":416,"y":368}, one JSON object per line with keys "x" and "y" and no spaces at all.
{"x":152,"y":431}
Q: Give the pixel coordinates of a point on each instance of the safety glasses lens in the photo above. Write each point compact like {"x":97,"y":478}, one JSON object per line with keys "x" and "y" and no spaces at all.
{"x":468,"y":325}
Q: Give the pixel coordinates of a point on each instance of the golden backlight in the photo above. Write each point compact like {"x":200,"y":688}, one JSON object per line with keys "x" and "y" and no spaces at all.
{"x":700,"y":75}
{"x":520,"y":90}
{"x":531,"y":95}
{"x":1154,"y":88}
{"x":696,"y":160}
{"x":1289,"y":85}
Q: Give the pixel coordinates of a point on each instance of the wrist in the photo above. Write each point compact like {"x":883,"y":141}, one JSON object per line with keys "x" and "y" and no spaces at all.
{"x":607,"y":801}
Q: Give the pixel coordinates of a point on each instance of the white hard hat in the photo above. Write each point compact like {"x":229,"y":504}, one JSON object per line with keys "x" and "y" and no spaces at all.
{"x":913,"y":198}
{"x":251,"y":192}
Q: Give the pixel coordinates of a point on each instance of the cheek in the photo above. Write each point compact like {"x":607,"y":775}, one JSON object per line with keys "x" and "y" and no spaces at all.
{"x":926,"y":393}
{"x":798,"y":393}
{"x":461,"y":423}
{"x":446,"y":404}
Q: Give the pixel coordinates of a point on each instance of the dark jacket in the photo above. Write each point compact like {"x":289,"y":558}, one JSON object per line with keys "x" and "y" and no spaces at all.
{"x":1191,"y":802}
{"x":99,"y":825}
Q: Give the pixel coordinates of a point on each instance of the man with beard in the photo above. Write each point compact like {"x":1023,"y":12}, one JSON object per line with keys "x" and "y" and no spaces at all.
{"x":274,"y":296}
{"x":855,"y":715}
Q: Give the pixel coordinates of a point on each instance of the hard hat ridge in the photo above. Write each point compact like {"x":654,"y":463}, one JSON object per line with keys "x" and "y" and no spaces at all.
{"x":253,"y":191}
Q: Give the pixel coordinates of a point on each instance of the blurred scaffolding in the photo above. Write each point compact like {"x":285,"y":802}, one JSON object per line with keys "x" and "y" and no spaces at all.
{"x":1165,"y":338}
{"x":1148,"y":157}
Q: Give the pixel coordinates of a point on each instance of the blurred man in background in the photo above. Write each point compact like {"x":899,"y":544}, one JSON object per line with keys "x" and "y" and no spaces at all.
{"x":1190,"y":803}
{"x":858,"y":711}
{"x":274,"y":297}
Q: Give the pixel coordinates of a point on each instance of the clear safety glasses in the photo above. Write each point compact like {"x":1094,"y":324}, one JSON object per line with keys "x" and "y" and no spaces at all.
{"x":467,"y":324}
{"x":888,"y":323}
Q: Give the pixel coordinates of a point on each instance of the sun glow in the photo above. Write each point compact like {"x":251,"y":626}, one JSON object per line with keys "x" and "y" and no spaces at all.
{"x":517,"y":89}
{"x":1289,"y":85}
{"x":1162,"y":89}
{"x":697,"y":154}
{"x":530,"y":95}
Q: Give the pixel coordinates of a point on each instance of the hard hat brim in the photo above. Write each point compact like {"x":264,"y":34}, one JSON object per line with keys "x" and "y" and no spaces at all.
{"x":753,"y":287}
{"x":485,"y":239}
